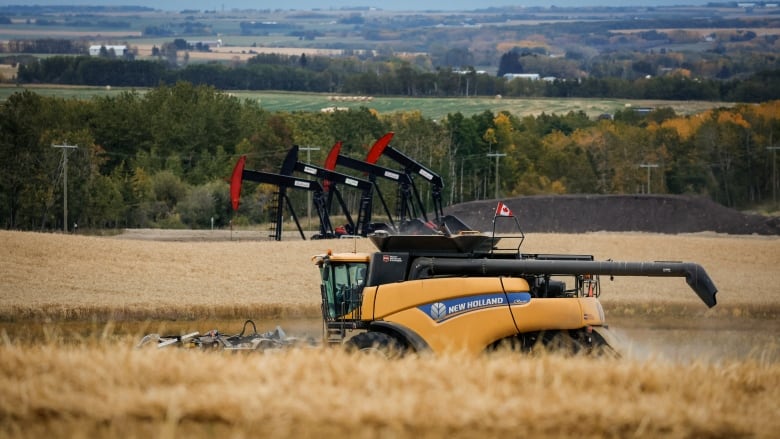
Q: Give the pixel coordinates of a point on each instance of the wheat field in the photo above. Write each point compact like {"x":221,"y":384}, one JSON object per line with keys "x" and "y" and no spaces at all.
{"x":100,"y":385}
{"x":76,"y":277}
{"x":115,"y":391}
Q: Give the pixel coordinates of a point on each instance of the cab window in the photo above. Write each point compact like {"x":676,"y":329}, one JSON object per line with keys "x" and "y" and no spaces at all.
{"x":342,"y":286}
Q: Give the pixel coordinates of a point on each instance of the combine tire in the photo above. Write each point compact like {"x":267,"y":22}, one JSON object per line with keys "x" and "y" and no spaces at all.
{"x":562,"y":342}
{"x":577,"y":343}
{"x":377,"y":343}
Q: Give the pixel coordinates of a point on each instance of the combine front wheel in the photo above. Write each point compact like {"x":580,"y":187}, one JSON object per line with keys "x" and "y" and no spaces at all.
{"x":376,"y":343}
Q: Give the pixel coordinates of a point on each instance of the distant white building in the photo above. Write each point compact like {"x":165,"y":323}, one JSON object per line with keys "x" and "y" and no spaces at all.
{"x":94,"y":50}
{"x":205,"y":43}
{"x":466,"y":72}
{"x":531,"y":76}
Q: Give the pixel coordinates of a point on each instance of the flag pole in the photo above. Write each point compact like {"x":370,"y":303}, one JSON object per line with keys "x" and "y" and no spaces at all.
{"x":503,"y":211}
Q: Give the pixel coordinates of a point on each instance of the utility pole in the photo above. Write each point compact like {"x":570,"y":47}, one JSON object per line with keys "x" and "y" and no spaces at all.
{"x":308,"y":150}
{"x":65,"y":148}
{"x":648,"y":166}
{"x":774,"y":172}
{"x":497,"y":156}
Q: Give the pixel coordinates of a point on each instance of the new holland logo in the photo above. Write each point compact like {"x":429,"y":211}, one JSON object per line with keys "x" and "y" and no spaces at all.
{"x":438,"y":310}
{"x":448,"y":309}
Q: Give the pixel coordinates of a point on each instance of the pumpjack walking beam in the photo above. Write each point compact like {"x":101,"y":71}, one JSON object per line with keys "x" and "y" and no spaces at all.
{"x":405,"y":205}
{"x":375,"y":171}
{"x":447,"y":224}
{"x":283,"y":182}
{"x":330,"y":183}
{"x":412,"y":166}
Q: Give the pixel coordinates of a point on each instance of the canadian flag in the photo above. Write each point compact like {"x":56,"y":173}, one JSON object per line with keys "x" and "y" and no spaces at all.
{"x":503,"y":210}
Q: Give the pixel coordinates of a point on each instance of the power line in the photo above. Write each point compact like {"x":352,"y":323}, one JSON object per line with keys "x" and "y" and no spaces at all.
{"x":497,"y":156}
{"x":774,"y":172}
{"x":648,"y":166}
{"x":65,"y":148}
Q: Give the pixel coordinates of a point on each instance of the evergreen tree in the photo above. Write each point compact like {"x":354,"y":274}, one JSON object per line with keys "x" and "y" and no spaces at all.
{"x":509,"y":63}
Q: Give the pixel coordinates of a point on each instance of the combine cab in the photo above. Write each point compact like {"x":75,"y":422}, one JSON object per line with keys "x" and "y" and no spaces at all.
{"x":462,"y":293}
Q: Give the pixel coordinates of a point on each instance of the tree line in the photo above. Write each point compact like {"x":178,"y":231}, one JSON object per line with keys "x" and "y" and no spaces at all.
{"x":162,"y":158}
{"x":393,"y":77}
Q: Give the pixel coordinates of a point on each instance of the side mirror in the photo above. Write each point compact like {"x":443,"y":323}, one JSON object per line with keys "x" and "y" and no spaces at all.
{"x":325,"y":272}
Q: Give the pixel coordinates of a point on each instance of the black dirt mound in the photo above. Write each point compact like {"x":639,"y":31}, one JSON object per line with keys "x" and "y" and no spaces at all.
{"x":619,"y":213}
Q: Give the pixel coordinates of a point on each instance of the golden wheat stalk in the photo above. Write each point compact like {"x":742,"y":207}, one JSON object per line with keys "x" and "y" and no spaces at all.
{"x":102,"y":388}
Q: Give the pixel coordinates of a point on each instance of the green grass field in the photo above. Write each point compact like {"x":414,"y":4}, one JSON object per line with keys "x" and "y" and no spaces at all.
{"x":435,"y":108}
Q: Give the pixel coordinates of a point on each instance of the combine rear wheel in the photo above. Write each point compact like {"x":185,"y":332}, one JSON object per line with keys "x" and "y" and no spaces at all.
{"x":577,"y":343}
{"x":562,"y":342}
{"x":377,"y":343}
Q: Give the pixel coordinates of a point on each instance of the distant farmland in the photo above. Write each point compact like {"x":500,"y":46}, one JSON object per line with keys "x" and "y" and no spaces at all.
{"x":434,"y":108}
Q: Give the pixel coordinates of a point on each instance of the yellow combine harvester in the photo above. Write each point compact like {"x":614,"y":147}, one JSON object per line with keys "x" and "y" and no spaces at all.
{"x":462,"y":293}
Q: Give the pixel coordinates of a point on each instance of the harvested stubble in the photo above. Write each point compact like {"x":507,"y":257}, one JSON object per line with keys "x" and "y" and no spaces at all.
{"x":78,"y":277}
{"x":105,"y":389}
